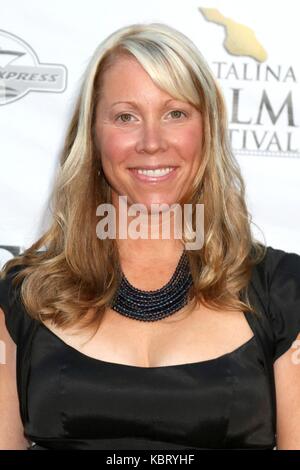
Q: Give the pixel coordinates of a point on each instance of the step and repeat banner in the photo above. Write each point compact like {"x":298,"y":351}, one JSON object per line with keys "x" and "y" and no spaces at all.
{"x":252,"y":48}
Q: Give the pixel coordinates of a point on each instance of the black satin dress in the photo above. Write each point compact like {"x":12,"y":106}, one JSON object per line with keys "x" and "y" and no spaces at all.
{"x":69,"y":400}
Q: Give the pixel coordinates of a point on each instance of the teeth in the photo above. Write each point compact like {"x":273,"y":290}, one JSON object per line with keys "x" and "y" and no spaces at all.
{"x":158,"y":172}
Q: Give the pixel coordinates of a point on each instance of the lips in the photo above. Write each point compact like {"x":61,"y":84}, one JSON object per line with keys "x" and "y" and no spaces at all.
{"x":157,"y":167}
{"x":153,"y":178}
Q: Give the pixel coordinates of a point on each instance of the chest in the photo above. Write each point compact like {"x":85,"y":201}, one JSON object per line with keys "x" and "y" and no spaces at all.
{"x":201,"y":335}
{"x":219,"y":403}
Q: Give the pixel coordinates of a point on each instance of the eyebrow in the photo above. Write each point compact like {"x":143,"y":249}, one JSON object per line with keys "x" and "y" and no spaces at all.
{"x":136,"y":105}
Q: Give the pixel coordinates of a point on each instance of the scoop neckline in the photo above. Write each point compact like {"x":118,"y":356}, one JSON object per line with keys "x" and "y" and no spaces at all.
{"x":143,"y":368}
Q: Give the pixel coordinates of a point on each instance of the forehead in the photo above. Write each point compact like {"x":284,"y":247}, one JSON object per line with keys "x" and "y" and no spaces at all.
{"x":126,"y":76}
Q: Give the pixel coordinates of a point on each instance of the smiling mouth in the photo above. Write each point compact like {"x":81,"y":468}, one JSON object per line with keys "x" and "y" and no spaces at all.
{"x":155,"y":171}
{"x":153,"y":174}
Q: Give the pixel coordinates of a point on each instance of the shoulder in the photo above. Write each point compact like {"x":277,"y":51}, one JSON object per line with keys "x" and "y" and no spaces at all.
{"x":278,"y":260}
{"x":275,"y":264}
{"x":281,"y":270}
{"x":282,"y":281}
{"x":17,"y":320}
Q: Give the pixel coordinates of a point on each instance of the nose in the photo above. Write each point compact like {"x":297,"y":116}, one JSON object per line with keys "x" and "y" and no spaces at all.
{"x":151,"y":138}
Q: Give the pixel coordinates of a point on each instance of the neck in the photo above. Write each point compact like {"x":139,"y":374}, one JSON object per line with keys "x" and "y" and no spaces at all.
{"x":150,"y":251}
{"x":148,"y":238}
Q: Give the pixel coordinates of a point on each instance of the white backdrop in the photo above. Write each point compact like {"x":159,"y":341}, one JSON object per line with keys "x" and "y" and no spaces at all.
{"x":45,"y":47}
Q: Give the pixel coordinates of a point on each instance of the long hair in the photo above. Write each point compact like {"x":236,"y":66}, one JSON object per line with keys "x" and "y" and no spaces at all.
{"x":69,"y":271}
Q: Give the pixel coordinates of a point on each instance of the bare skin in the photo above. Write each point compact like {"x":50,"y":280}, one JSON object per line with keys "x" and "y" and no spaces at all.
{"x":204,"y":334}
{"x":180,"y":339}
{"x":152,"y":133}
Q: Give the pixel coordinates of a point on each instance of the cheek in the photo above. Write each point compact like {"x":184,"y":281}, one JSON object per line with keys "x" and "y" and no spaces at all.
{"x":114,"y":147}
{"x":191,"y":143}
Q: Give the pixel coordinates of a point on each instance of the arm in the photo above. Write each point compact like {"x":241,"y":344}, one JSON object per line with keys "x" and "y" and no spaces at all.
{"x":11,"y":427}
{"x":287,"y":383}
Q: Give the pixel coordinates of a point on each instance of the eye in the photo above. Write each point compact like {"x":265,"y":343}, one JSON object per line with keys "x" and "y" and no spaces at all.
{"x":125,"y":117}
{"x":122,"y":115}
{"x":178,"y":113}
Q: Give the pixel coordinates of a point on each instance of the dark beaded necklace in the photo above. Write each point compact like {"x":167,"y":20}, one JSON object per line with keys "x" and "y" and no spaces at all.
{"x":155,"y":304}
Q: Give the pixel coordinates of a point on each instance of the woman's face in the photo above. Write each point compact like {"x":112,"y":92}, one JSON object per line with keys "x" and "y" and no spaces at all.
{"x":139,"y":127}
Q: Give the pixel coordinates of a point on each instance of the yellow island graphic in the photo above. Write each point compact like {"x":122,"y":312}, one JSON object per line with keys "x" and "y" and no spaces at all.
{"x":240,"y":39}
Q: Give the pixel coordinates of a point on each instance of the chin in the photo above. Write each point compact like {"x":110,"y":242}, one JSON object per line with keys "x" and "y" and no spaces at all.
{"x":157,"y":202}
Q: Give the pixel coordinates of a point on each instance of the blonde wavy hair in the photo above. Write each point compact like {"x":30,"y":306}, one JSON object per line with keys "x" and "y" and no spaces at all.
{"x":69,"y":270}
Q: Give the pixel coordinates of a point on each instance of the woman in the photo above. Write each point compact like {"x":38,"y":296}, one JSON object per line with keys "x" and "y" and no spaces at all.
{"x":188,"y":345}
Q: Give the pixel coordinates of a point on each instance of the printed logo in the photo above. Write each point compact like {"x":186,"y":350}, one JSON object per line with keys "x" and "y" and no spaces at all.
{"x":261,"y":97}
{"x":22,"y":72}
{"x":239,"y":38}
